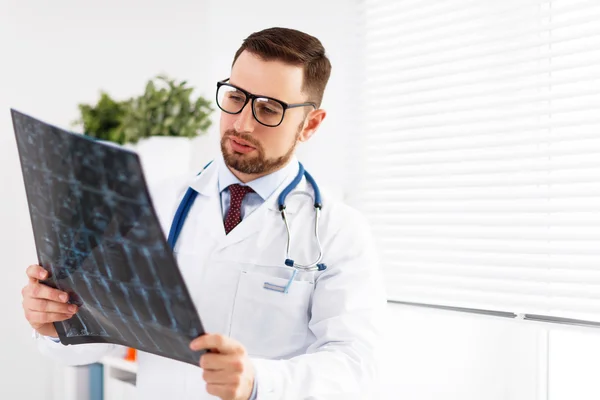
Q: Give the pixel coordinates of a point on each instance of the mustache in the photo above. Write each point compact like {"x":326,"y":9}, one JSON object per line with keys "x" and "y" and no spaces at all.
{"x":242,"y":135}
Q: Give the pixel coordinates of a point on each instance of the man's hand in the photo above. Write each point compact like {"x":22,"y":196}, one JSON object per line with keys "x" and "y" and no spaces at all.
{"x":43,"y":305}
{"x":228,"y":372}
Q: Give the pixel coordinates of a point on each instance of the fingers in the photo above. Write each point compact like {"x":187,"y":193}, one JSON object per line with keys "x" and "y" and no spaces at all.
{"x":221,"y":362}
{"x":228,"y":374}
{"x":44,"y":305}
{"x":36,"y":272}
{"x":222,"y":391}
{"x":40,"y":318}
{"x":41,"y":305}
{"x":219,"y":343}
{"x":221,"y":377}
{"x":39,"y":291}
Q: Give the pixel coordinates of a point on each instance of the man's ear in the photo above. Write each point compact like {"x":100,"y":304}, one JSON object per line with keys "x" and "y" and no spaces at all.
{"x":312,"y":123}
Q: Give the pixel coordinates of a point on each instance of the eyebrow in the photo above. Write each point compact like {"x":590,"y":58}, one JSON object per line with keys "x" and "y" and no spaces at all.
{"x":256,"y":94}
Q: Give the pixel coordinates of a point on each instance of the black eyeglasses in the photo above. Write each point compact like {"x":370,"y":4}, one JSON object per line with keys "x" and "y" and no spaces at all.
{"x":266,"y":110}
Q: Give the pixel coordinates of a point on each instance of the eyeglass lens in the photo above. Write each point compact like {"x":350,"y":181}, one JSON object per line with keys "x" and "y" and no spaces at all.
{"x":266,"y":111}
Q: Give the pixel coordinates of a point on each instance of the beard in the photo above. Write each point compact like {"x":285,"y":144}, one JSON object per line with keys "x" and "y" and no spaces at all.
{"x":257,"y":163}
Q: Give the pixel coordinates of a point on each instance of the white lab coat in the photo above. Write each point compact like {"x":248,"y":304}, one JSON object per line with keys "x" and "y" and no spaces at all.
{"x":318,"y":341}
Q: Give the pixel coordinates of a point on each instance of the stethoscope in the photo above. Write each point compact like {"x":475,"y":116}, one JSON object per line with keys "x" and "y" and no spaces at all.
{"x":190,"y":195}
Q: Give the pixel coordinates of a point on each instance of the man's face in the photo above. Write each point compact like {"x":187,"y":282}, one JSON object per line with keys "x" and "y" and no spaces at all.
{"x":248,"y":146}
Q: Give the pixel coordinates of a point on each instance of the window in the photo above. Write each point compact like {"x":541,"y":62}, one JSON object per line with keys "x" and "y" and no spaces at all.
{"x":480,"y":158}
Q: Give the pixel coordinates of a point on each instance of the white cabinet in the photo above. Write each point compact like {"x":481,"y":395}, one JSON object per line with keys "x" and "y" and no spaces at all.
{"x":119,"y":379}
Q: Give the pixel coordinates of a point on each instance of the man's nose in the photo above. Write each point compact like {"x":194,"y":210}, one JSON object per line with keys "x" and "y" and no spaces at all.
{"x":245,"y":120}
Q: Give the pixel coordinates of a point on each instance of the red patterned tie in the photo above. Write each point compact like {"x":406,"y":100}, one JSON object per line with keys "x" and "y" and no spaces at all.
{"x":234,"y":214}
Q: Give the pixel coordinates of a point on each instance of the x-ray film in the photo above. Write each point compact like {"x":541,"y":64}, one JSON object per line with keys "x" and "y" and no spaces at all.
{"x":97,"y":234}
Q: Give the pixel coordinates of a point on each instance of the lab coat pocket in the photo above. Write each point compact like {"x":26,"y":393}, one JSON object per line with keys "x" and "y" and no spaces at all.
{"x":270,"y":323}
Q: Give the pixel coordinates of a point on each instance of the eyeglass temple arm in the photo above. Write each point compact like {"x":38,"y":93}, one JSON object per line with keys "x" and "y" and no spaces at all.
{"x":302,"y":105}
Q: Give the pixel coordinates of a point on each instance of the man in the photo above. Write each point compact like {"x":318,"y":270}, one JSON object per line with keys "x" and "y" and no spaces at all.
{"x":317,"y":340}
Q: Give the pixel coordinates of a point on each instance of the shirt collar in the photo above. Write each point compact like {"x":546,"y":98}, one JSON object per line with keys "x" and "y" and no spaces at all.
{"x":264,"y":186}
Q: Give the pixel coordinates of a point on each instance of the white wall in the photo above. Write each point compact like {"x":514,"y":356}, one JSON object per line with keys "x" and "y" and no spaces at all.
{"x":449,"y":355}
{"x":574,"y":364}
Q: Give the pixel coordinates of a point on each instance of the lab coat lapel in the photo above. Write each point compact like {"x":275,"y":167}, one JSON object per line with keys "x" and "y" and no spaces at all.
{"x":261,"y":218}
{"x":247,"y":227}
{"x":209,"y":203}
{"x":211,"y":215}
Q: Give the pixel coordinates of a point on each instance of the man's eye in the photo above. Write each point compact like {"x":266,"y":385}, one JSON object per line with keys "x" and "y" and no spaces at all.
{"x":268,"y":110}
{"x":235,"y":97}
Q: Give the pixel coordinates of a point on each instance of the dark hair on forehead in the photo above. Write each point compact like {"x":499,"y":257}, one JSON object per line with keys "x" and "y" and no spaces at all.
{"x":295,"y":48}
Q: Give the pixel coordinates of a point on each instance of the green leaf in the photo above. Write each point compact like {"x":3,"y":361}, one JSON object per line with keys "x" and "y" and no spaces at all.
{"x":165,"y":108}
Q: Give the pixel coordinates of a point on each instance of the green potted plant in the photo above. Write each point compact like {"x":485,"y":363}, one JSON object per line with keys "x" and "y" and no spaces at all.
{"x":158,"y":124}
{"x":166,"y":108}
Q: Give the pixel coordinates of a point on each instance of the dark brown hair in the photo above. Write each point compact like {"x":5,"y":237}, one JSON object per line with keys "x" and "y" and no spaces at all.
{"x":296,"y":48}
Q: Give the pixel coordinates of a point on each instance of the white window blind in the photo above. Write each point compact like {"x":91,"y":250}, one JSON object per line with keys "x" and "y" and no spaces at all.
{"x":480,"y":153}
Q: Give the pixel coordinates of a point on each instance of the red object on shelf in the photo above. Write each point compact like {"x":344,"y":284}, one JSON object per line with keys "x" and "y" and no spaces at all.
{"x":131,"y":354}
